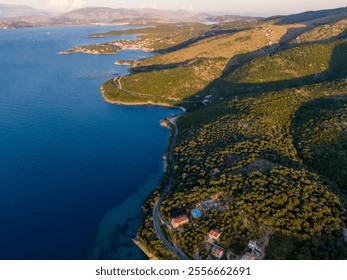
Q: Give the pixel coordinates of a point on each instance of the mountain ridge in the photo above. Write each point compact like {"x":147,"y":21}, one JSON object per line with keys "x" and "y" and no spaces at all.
{"x":10,"y":11}
{"x":106,"y":15}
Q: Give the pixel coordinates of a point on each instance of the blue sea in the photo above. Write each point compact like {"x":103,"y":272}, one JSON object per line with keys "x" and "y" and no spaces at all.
{"x":74,"y":170}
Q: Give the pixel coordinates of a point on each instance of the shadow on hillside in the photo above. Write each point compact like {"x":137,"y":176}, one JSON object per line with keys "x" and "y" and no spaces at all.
{"x":239,"y":60}
{"x":341,"y":36}
{"x":206,"y":35}
{"x":157,"y":67}
{"x":329,"y":247}
{"x":221,"y":89}
{"x":332,"y":154}
{"x":236,"y":61}
{"x":313,"y":15}
{"x":337,"y":70}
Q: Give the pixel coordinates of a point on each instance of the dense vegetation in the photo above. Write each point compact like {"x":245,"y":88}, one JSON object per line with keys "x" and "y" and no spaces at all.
{"x":321,"y":137}
{"x":251,"y":143}
{"x":168,"y":86}
{"x":272,"y":123}
{"x":290,"y":64}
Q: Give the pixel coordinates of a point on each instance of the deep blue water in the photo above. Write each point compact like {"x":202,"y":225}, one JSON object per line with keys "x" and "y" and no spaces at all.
{"x":66,"y":156}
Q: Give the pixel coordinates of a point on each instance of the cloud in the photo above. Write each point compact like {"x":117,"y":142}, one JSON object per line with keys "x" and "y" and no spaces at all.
{"x":150,"y":5}
{"x":65,"y":5}
{"x":187,"y":8}
{"x":78,"y":4}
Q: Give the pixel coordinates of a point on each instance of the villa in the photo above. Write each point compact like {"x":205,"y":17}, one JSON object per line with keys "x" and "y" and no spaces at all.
{"x":206,"y":205}
{"x":214,"y":234}
{"x":178,"y":221}
{"x":217,"y":251}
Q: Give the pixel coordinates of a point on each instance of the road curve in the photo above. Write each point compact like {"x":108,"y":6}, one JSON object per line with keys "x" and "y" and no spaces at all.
{"x":156,"y":211}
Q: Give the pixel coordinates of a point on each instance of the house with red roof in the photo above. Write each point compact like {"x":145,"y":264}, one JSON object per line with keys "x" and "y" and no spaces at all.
{"x":178,"y":221}
{"x":217,"y":251}
{"x":214,"y":234}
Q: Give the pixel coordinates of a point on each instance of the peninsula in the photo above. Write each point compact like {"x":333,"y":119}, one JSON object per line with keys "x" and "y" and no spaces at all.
{"x":256,"y":165}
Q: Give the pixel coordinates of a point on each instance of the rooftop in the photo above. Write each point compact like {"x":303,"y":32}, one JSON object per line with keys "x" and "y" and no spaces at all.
{"x":214,"y":233}
{"x":217,"y":251}
{"x":180,"y":219}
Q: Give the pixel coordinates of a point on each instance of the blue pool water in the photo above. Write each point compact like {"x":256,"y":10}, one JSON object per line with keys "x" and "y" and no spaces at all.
{"x":195,"y":213}
{"x":71,"y":165}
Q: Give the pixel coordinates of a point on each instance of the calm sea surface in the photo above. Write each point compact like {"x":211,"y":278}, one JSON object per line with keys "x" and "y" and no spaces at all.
{"x":72,"y":167}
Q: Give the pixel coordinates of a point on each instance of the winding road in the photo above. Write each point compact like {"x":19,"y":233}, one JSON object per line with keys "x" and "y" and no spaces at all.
{"x":156,"y":210}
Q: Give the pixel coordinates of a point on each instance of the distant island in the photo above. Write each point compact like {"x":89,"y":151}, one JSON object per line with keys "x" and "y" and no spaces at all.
{"x":21,"y":16}
{"x":256,"y":164}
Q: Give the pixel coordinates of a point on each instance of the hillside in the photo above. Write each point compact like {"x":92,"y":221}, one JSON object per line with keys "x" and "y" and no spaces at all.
{"x":251,"y":144}
{"x":226,"y":44}
{"x":312,"y":62}
{"x":261,"y":149}
{"x":323,"y":33}
{"x":11,"y":11}
{"x":318,"y":16}
{"x":264,"y":136}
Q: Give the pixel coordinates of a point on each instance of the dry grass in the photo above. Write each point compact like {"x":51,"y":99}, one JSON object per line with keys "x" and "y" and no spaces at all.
{"x":323,"y":32}
{"x":226,"y":46}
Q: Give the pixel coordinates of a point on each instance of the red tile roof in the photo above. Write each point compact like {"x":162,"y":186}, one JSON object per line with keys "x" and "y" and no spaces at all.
{"x":214,"y":233}
{"x":182,"y":219}
{"x":219,"y":252}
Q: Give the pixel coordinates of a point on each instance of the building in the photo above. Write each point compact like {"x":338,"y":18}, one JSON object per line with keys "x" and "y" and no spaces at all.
{"x":217,"y":251}
{"x":195,"y":213}
{"x":214,"y":234}
{"x":178,"y":221}
{"x":206,"y":205}
{"x":249,"y":257}
{"x":254,"y":247}
{"x":252,"y":244}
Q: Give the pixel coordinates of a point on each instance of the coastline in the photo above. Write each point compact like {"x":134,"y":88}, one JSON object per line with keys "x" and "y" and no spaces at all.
{"x":109,"y":48}
{"x":138,"y":243}
{"x":147,"y":103}
{"x":169,"y":123}
{"x":119,"y":230}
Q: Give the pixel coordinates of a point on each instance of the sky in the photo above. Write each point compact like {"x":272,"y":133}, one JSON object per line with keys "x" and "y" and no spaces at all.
{"x":265,"y":7}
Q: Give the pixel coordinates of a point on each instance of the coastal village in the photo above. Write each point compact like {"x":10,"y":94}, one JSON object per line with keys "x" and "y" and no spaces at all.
{"x":254,"y":250}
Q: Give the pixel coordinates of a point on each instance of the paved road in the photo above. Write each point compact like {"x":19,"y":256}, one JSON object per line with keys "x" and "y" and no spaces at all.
{"x":156,"y":211}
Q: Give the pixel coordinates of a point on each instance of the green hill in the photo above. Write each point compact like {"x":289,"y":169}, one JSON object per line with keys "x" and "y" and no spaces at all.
{"x":265,"y":133}
{"x":323,"y":32}
{"x":290,"y":64}
{"x":320,"y":130}
{"x":251,"y":142}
